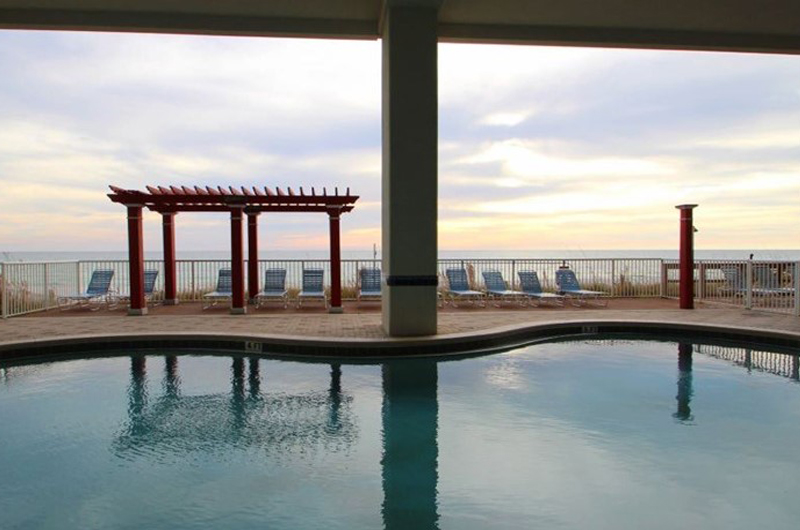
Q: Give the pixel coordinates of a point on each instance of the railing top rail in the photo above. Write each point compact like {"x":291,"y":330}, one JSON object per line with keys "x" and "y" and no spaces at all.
{"x":49,"y":262}
{"x":554,"y":260}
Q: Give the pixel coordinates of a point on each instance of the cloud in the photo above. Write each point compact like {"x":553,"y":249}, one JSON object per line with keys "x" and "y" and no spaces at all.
{"x":539,"y":146}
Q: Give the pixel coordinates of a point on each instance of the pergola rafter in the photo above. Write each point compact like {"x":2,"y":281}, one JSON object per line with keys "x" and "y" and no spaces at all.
{"x":252,"y":201}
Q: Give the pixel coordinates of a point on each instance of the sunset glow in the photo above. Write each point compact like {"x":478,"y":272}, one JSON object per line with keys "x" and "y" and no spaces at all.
{"x":540,"y":147}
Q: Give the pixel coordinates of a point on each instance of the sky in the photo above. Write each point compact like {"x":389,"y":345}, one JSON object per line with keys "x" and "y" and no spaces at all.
{"x":539,"y":147}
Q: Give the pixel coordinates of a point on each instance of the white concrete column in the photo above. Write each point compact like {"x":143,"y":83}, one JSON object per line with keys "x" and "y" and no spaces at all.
{"x":410,"y":131}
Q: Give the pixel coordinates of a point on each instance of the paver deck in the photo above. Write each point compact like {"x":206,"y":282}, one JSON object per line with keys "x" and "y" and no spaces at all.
{"x":359,"y":326}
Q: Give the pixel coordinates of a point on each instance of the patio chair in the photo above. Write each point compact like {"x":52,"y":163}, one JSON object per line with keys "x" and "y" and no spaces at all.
{"x":274,"y":288}
{"x":568,"y":285}
{"x":458,"y":288}
{"x":769,"y":281}
{"x":313,"y":288}
{"x":369,"y":284}
{"x":532,"y":289}
{"x":497,"y":290}
{"x":97,"y":293}
{"x":734,"y":281}
{"x":224,"y":290}
{"x":150,"y":277}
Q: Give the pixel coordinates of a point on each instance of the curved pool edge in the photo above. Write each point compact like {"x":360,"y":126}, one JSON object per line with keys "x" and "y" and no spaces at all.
{"x":452,"y":344}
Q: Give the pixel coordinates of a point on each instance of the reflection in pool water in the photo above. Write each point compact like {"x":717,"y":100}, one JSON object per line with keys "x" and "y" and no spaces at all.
{"x":570,"y":435}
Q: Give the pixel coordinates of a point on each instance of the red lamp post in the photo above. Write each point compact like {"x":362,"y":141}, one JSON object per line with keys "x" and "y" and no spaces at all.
{"x":686,"y":256}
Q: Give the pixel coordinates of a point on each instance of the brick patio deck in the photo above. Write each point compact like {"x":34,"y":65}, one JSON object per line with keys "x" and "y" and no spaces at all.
{"x":362,"y":322}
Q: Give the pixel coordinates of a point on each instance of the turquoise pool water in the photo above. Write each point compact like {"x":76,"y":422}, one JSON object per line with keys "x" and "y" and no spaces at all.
{"x":603,"y":434}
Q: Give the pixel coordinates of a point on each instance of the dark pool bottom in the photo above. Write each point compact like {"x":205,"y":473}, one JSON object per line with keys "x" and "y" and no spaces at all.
{"x":601,"y":433}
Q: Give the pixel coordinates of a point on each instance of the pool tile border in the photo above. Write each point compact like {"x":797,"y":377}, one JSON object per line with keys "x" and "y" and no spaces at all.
{"x":453,"y":344}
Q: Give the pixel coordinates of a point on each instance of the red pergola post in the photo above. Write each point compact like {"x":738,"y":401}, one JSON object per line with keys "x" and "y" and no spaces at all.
{"x":686,"y":256}
{"x":237,"y":262}
{"x":336,"y":261}
{"x":136,"y":260}
{"x":170,"y":264}
{"x":252,"y":256}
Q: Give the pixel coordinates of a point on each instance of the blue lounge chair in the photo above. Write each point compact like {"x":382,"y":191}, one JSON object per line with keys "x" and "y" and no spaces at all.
{"x":568,"y":285}
{"x":150,"y":277}
{"x":497,"y":290}
{"x":369,"y":284}
{"x":532,"y":289}
{"x":274,"y":288}
{"x":458,"y":288}
{"x":313,"y":288}
{"x":97,"y":293}
{"x":224,"y":290}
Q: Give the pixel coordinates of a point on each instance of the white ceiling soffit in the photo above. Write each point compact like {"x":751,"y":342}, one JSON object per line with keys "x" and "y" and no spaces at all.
{"x":735,"y":25}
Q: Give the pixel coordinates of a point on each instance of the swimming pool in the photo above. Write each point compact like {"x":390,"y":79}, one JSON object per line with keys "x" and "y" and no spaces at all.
{"x":584,"y":434}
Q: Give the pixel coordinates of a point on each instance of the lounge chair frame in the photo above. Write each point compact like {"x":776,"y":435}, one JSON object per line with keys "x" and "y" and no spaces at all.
{"x":458,"y":288}
{"x":532,"y":290}
{"x":497,"y":291}
{"x":369,"y":284}
{"x":769,"y":282}
{"x":97,"y":293}
{"x":224,"y":290}
{"x":150,"y":277}
{"x":313,"y":287}
{"x":568,"y":286}
{"x":274,"y":288}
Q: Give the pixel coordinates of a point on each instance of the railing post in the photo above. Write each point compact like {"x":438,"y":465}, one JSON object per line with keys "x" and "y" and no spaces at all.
{"x":78,"y":279}
{"x":613,"y":276}
{"x":748,"y":302}
{"x":513,"y":274}
{"x":796,"y":280}
{"x":193,"y":285}
{"x":4,"y":292}
{"x":664,"y":278}
{"x":358,"y":276}
{"x":46,"y":286}
{"x":701,"y":278}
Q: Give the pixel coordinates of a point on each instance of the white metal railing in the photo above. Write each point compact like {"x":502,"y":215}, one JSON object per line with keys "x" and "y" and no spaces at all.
{"x":26,"y":287}
{"x":772,"y":286}
{"x":620,"y":277}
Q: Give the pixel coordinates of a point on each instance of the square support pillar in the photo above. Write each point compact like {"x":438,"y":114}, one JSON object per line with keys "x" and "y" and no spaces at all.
{"x":170,"y":264}
{"x":138,"y":305}
{"x":336,"y":261}
{"x":237,"y":262}
{"x":410,"y":158}
{"x":252,"y":256}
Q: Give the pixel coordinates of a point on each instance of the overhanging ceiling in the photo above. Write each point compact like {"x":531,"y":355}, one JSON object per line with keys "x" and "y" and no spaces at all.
{"x":732,"y":25}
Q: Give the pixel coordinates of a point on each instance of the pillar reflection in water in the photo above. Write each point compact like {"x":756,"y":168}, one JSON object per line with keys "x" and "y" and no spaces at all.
{"x":238,"y":413}
{"x":254,"y":379}
{"x":685,"y":390}
{"x":137,"y":394}
{"x":410,"y":449}
{"x":172,"y":383}
{"x":335,"y":398}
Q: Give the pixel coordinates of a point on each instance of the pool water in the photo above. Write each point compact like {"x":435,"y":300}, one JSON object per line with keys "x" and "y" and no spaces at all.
{"x":603,"y":434}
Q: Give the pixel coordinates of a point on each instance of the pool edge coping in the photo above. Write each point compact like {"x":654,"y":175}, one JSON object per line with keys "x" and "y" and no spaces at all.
{"x":451,"y":344}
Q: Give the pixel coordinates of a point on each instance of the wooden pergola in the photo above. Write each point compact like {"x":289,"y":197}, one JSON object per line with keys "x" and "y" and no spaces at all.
{"x":171,"y":200}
